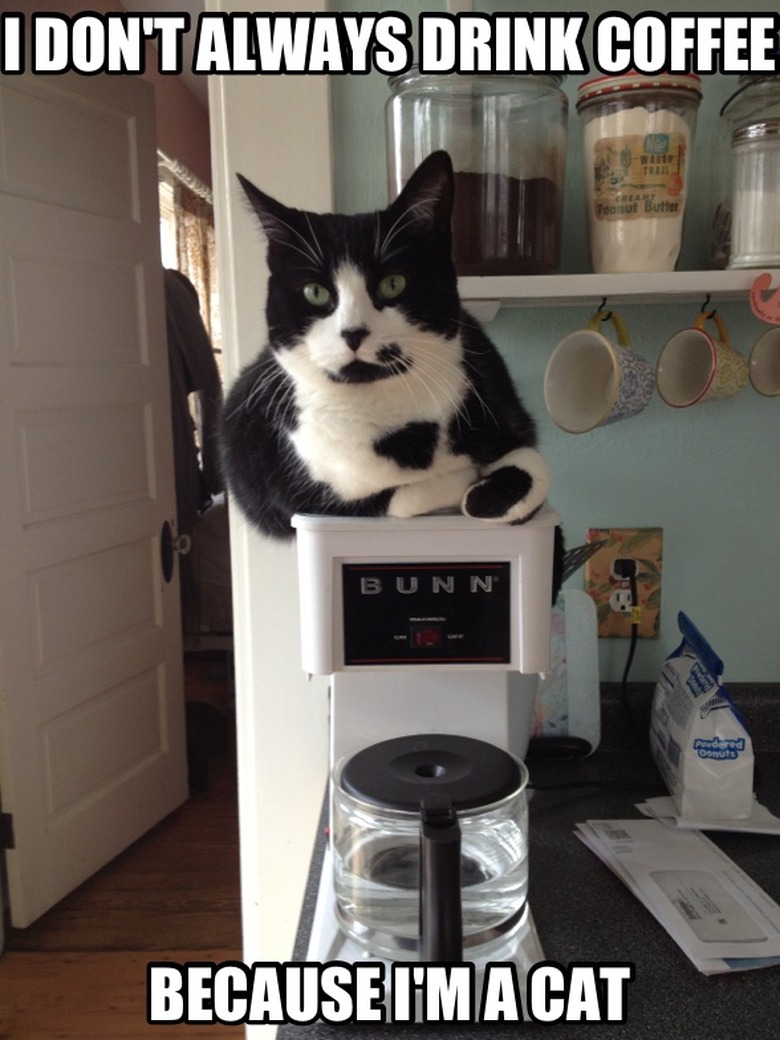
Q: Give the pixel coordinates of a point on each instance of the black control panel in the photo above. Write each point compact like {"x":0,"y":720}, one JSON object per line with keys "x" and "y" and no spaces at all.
{"x":426,"y":613}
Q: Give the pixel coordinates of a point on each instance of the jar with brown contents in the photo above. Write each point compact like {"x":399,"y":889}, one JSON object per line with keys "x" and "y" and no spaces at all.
{"x":506,"y":136}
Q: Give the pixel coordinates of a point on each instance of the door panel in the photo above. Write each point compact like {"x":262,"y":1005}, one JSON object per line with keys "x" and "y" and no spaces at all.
{"x":49,"y":437}
{"x":87,"y":128}
{"x":102,"y":742}
{"x":92,"y":744}
{"x":67,"y":325}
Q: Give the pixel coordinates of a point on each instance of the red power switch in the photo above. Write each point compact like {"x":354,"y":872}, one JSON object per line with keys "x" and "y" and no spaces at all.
{"x":425,"y":636}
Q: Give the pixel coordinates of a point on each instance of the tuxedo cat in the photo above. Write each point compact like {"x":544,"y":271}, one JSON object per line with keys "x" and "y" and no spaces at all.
{"x":377,"y":393}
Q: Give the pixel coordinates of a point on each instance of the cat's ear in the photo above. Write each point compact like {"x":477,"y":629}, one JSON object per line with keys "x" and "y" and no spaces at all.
{"x":274,"y":217}
{"x":428,"y":194}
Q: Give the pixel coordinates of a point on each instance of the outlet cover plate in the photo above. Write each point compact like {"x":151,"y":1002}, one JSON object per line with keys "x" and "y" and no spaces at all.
{"x":643,"y":544}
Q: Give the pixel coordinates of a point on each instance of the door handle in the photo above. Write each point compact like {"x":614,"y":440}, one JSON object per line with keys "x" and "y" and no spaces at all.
{"x":171,"y":544}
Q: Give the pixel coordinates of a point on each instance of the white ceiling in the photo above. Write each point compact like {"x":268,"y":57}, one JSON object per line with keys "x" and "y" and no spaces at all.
{"x":197,"y":84}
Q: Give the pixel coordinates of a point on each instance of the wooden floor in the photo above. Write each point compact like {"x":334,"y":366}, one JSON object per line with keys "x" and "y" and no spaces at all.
{"x":80,"y":971}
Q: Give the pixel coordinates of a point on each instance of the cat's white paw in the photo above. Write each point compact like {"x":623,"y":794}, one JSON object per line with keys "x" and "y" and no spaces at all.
{"x":426,"y":496}
{"x":511,"y":489}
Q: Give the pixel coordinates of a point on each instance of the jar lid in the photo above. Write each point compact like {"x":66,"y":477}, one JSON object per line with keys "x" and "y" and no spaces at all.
{"x":398,"y":773}
{"x":465,"y":81}
{"x":756,"y":131}
{"x":603,"y":86}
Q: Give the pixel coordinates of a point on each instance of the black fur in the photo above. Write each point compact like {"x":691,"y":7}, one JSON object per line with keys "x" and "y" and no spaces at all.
{"x":494,"y":497}
{"x":412,"y":447}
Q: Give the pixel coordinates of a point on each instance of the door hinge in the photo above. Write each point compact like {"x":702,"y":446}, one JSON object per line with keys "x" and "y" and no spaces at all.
{"x":7,"y":831}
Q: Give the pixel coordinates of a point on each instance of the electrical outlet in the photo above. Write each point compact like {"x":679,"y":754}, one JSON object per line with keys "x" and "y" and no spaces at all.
{"x":607,"y":583}
{"x":621,"y":599}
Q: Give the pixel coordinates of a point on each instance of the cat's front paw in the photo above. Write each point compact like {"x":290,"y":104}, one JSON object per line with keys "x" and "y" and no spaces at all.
{"x":512,"y":489}
{"x":426,"y":496}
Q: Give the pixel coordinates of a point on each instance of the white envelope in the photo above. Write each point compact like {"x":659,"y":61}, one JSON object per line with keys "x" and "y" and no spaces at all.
{"x":721,"y":919}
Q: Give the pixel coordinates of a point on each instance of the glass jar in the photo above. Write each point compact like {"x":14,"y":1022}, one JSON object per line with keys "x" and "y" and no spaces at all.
{"x":637,"y":134}
{"x":506,"y":136}
{"x":755,"y":220}
{"x":742,"y":163}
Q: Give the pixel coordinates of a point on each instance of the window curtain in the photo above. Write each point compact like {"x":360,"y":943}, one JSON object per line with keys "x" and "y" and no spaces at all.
{"x":196,"y":253}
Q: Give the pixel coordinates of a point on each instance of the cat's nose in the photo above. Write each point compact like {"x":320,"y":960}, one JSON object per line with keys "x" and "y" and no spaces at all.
{"x":355,"y":337}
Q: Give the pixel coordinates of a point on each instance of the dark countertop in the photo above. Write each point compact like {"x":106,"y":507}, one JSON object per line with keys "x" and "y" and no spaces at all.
{"x":583,"y":913}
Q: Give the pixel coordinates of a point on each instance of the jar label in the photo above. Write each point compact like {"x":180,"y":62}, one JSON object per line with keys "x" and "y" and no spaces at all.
{"x":639,"y":176}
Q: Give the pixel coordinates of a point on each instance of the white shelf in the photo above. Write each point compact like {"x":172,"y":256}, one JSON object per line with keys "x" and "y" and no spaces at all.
{"x":486,"y":296}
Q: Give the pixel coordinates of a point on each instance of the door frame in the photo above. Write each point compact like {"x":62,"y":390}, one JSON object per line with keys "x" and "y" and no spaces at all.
{"x":276,"y":130}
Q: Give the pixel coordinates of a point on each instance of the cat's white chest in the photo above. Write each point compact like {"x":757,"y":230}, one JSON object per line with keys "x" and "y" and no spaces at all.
{"x":338,"y":451}
{"x":337,"y":433}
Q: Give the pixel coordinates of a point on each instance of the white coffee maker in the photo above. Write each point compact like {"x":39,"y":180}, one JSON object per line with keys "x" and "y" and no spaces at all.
{"x":432,"y":630}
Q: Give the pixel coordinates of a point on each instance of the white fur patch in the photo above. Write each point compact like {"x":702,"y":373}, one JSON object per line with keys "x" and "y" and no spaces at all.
{"x":431,"y":493}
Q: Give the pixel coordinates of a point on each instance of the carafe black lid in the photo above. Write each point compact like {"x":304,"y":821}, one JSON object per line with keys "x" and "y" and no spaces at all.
{"x":399,"y":773}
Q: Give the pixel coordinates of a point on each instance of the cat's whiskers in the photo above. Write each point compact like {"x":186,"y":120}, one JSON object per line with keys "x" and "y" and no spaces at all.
{"x":259,"y":389}
{"x":305,"y":249}
{"x":431,"y":369}
{"x":409,"y":380}
{"x":442,"y":381}
{"x":282,"y":397}
{"x":473,"y":324}
{"x":282,"y":402}
{"x":247,"y":403}
{"x":315,"y":242}
{"x":312,"y":259}
{"x":487,"y":412}
{"x":377,"y":232}
{"x":404,"y":220}
{"x":428,"y":384}
{"x":388,"y":256}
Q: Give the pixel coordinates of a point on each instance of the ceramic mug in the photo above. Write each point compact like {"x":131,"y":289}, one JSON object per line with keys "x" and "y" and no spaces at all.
{"x":765,"y":363}
{"x":591,"y":381}
{"x":694,"y":366}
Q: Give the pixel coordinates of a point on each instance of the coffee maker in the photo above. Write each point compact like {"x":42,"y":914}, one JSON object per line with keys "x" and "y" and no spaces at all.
{"x":432,"y":631}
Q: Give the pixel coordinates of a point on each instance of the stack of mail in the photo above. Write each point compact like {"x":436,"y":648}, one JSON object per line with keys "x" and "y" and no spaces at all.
{"x":720,"y":918}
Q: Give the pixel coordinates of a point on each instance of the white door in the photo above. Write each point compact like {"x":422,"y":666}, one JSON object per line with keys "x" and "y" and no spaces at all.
{"x":92,"y":747}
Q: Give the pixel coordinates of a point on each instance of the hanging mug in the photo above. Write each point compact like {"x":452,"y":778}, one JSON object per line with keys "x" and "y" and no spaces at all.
{"x":694,"y":366}
{"x":590,"y":381}
{"x":765,"y":363}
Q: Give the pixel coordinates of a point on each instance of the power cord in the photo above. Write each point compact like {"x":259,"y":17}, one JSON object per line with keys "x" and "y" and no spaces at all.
{"x":636,"y":617}
{"x":626,"y":569}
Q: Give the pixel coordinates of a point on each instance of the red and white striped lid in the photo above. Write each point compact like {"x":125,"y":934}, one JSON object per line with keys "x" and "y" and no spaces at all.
{"x":603,"y":86}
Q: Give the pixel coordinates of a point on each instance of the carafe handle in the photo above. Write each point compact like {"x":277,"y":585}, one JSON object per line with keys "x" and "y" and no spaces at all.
{"x":441,"y":919}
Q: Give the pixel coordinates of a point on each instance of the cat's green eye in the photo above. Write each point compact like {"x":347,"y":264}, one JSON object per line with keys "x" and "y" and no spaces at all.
{"x":391,"y":287}
{"x":315,"y":294}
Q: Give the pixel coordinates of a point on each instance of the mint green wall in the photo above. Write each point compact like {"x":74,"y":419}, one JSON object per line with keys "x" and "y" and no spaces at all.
{"x":709,"y":475}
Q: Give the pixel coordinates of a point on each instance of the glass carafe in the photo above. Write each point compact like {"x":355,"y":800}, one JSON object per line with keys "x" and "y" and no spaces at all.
{"x":379,"y":848}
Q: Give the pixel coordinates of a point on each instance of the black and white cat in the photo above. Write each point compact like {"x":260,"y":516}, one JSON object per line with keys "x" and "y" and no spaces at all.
{"x":377,"y":394}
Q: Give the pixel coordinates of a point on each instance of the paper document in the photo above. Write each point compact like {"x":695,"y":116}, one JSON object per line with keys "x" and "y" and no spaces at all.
{"x":760,"y":821}
{"x":720,"y":918}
